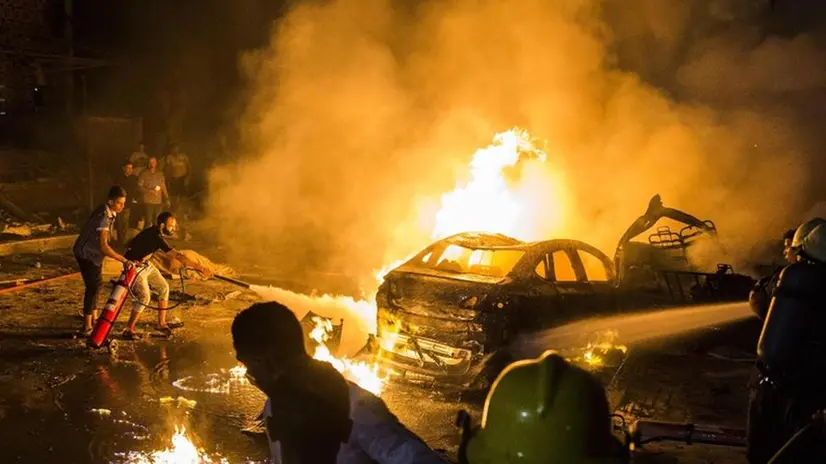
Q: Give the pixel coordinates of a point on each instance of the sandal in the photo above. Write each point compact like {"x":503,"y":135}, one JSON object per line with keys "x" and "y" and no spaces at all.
{"x":130,"y":335}
{"x":84,"y":332}
{"x":174,"y":325}
{"x":165,"y":331}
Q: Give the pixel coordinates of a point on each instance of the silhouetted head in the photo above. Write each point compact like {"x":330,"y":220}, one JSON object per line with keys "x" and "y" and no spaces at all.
{"x":268,"y":340}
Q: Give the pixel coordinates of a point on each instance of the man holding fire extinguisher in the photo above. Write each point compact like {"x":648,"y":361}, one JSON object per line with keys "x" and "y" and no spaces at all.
{"x":91,"y":246}
{"x":140,"y":249}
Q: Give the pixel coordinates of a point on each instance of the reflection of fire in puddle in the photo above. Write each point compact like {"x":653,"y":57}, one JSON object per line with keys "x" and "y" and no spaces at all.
{"x":222,"y":382}
{"x":134,"y":430}
{"x":179,"y":402}
{"x":599,"y":353}
{"x":183,"y":451}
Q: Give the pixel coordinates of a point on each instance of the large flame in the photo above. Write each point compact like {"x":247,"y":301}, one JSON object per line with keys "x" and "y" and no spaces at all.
{"x":512,"y":190}
{"x":503,"y":195}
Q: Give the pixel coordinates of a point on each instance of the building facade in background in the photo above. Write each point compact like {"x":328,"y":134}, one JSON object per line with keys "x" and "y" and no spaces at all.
{"x":35,"y":52}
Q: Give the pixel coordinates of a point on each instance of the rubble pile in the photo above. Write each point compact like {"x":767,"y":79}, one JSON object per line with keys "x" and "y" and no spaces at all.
{"x":13,"y":227}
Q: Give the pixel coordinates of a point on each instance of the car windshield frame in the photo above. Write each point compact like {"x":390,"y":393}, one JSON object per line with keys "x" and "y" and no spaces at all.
{"x":459,"y":259}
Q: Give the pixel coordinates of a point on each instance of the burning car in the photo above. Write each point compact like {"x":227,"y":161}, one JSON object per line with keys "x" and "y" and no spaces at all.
{"x":461,"y":299}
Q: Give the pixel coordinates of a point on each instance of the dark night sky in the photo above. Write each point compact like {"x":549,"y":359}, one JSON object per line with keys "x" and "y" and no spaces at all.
{"x":158,"y":44}
{"x":194,"y":45}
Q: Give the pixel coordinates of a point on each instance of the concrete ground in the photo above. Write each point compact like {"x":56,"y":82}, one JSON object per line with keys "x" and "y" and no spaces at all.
{"x":61,"y":402}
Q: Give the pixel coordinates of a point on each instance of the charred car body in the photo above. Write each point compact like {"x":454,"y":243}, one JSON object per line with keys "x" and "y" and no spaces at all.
{"x":461,"y":299}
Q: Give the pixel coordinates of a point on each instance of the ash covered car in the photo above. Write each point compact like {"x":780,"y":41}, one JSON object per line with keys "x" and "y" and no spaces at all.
{"x":444,"y":314}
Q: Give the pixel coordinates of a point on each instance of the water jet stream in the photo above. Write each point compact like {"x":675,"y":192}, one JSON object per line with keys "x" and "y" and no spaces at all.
{"x":632,"y":328}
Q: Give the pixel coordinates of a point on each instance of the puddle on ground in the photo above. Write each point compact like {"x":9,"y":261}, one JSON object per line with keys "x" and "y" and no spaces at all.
{"x":127,"y":408}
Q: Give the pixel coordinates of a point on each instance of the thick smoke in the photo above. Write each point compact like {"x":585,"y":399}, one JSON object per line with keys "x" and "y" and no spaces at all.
{"x":361,"y":113}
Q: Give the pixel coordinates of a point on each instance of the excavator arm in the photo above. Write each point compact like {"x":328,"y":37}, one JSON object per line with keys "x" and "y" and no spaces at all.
{"x":657,"y":211}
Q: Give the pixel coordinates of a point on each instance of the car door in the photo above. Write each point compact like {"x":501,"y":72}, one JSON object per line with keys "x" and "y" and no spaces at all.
{"x":574,"y":298}
{"x":598,"y":276}
{"x":536,"y":295}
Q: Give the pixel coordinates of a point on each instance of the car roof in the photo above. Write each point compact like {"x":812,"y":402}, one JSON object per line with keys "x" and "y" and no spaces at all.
{"x":482,"y":240}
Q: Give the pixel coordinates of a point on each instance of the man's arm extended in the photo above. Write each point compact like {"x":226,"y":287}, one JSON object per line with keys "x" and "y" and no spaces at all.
{"x":175,"y":254}
{"x":103,"y":237}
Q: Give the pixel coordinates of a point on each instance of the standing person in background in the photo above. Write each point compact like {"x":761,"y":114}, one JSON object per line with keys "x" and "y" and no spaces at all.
{"x":152,"y":186}
{"x":177,"y":171}
{"x":139,"y":158}
{"x":91,"y":245}
{"x":129,"y":181}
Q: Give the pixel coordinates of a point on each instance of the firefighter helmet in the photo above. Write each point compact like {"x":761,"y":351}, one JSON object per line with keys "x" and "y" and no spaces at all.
{"x":544,"y":411}
{"x":810,"y":239}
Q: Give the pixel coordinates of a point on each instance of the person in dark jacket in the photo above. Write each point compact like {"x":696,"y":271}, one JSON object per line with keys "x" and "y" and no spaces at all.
{"x":311,"y":397}
{"x":791,"y":357}
{"x":761,"y":294}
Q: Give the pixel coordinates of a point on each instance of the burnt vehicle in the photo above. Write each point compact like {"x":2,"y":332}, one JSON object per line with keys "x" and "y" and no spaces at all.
{"x":444,"y":314}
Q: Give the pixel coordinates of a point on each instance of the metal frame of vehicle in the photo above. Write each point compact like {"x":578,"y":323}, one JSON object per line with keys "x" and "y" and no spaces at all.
{"x":472,"y":317}
{"x":447,"y":323}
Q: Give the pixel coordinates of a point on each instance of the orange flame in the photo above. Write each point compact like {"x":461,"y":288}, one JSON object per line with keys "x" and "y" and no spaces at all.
{"x":365,"y":375}
{"x":183,"y":451}
{"x":512,"y":191}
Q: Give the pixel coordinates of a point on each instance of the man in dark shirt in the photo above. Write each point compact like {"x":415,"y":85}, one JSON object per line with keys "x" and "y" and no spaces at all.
{"x":140,"y":250}
{"x":268,"y":340}
{"x":129,"y":181}
{"x":312,"y":398}
{"x":91,"y":245}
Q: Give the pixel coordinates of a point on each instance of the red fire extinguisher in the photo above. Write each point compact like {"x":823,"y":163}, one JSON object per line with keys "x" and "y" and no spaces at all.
{"x":111,"y":310}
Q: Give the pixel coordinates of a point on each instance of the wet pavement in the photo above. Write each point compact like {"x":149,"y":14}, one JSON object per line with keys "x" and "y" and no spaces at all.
{"x":60,"y":402}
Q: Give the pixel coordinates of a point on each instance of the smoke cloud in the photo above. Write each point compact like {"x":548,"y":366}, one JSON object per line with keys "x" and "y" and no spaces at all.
{"x":361,"y":113}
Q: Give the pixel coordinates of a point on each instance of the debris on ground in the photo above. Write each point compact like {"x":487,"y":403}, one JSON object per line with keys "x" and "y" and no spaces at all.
{"x":221,"y":297}
{"x":17,"y":226}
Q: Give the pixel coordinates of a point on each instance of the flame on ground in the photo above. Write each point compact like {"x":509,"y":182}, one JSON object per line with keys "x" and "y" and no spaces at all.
{"x":365,"y":375}
{"x":594,"y":355}
{"x":183,"y":451}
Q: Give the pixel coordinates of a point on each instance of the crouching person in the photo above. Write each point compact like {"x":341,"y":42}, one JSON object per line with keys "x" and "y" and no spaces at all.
{"x":268,"y":340}
{"x":149,"y":278}
{"x":543,"y":411}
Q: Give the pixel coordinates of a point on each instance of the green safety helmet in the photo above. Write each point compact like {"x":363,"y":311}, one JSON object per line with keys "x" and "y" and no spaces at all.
{"x":810,"y":238}
{"x":544,"y":411}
